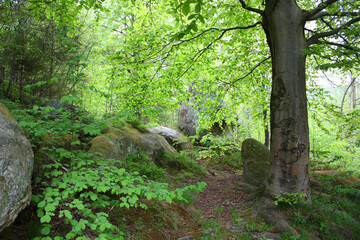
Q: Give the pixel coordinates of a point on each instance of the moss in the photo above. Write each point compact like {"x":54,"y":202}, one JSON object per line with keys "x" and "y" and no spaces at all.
{"x":4,"y":111}
{"x":256,"y":162}
{"x":100,"y":144}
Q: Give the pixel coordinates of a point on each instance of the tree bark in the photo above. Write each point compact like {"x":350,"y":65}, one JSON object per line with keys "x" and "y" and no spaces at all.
{"x":289,"y":145}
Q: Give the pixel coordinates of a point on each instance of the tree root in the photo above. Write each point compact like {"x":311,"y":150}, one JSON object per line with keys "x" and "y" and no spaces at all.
{"x":265,"y":207}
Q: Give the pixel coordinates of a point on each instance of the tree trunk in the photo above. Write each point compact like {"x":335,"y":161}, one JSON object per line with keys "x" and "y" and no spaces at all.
{"x":289,"y":145}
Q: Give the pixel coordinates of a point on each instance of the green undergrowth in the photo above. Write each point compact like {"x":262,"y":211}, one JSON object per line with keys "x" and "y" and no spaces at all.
{"x":333,"y":214}
{"x":76,"y":193}
{"x":183,"y":162}
{"x":82,"y":196}
{"x":220,"y":152}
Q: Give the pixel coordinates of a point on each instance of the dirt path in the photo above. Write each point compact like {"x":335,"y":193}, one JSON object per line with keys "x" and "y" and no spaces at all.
{"x":220,"y":198}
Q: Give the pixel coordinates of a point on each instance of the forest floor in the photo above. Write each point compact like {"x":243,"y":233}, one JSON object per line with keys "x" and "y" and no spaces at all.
{"x":223,"y":212}
{"x":215,"y":213}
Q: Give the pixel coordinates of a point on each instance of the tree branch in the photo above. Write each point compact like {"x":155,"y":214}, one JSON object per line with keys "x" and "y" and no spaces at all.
{"x":326,"y":14}
{"x":320,"y":7}
{"x":217,"y":29}
{"x":200,"y":34}
{"x":255,"y":10}
{"x":339,"y":45}
{"x":315,"y":39}
{"x":251,"y":71}
{"x":202,"y":51}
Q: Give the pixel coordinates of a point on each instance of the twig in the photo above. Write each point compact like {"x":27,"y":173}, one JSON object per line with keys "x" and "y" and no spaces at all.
{"x":251,"y":71}
{"x":320,"y":7}
{"x":47,"y":155}
{"x":255,"y":10}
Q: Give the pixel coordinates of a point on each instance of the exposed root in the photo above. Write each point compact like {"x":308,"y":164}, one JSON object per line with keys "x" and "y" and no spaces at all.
{"x":265,"y":206}
{"x":267,"y":209}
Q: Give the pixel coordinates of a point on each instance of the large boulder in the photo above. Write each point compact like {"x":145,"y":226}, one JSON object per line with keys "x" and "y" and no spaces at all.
{"x":16,"y":166}
{"x":189,"y":112}
{"x":173,"y":137}
{"x":255,"y":157}
{"x":188,"y":120}
{"x":118,"y":143}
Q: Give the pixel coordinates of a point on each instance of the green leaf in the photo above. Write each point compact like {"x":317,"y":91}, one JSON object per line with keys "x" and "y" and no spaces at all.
{"x":45,"y":230}
{"x":70,"y":235}
{"x":45,"y":219}
{"x":186,"y":8}
{"x":67,"y":214}
{"x":41,"y":204}
{"x":201,"y":18}
{"x":198,"y":8}
{"x":192,"y":16}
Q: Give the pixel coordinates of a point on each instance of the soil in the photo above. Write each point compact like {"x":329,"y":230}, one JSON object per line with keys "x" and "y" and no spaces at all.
{"x":220,"y":198}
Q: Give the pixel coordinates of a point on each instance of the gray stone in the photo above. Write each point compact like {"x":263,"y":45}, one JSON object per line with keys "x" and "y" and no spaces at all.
{"x":173,"y":137}
{"x":255,"y":157}
{"x":16,"y":166}
{"x":154,"y":145}
{"x":188,"y":120}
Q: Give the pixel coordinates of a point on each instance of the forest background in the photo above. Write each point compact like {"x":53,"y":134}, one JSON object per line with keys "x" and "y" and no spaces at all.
{"x":116,"y":56}
{"x":138,"y":58}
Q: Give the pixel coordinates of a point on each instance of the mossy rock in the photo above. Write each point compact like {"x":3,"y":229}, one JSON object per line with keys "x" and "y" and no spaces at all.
{"x":255,"y":157}
{"x":114,"y":143}
{"x":7,"y":114}
{"x":118,"y":143}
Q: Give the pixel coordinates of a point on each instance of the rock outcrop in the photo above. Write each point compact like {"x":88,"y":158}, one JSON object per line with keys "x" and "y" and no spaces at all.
{"x":16,"y":166}
{"x":255,"y":157}
{"x":173,"y":137}
{"x":119,"y":143}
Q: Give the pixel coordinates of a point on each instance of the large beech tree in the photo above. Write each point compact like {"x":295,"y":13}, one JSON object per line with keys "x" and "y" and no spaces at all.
{"x":284,"y":24}
{"x":335,"y":29}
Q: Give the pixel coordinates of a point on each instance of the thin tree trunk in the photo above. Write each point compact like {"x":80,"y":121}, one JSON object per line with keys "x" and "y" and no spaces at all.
{"x":289,"y":146}
{"x":353,"y":93}
{"x":266,"y":130}
{"x":2,"y":76}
